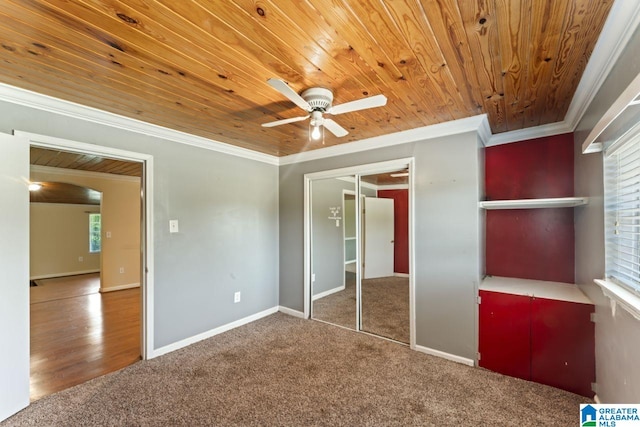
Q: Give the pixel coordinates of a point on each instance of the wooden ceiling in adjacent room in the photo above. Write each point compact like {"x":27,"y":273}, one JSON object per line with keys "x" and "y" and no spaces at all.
{"x":85,"y":162}
{"x":202,"y":66}
{"x":61,"y":192}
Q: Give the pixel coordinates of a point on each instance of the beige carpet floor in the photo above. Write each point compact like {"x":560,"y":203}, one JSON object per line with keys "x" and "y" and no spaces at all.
{"x":284,"y":371}
{"x":385,"y":307}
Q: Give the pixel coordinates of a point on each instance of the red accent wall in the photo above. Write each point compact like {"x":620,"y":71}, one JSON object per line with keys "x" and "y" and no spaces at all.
{"x":532,"y":169}
{"x":400,"y":228}
{"x":530,"y":243}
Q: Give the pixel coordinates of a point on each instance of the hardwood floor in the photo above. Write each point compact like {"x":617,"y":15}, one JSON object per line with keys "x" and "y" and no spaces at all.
{"x":78,"y":333}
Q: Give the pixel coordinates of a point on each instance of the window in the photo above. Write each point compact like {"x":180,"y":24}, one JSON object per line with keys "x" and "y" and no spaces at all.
{"x":622,"y":215}
{"x":95,"y":237}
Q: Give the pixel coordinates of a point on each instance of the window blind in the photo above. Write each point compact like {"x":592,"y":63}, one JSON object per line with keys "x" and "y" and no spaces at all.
{"x":622,"y":214}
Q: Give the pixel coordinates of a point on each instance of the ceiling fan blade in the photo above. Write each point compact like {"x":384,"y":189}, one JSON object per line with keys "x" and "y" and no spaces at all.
{"x":334,"y":128}
{"x":360,"y":104}
{"x":284,"y":121}
{"x":286,"y":90}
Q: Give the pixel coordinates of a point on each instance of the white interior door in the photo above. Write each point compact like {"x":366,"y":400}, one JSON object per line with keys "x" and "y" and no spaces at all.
{"x":14,"y":275}
{"x":378,"y":237}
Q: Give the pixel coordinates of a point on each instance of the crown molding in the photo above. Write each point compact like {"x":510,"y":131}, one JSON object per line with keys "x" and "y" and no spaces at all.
{"x":529,"y":133}
{"x":621,"y":24}
{"x":484,"y":131}
{"x":453,"y":127}
{"x":82,"y":174}
{"x":42,"y":102}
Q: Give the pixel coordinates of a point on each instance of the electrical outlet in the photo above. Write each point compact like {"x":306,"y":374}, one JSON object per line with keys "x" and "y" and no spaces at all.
{"x":80,"y":259}
{"x":108,"y":234}
{"x":236,"y":297}
{"x":173,"y":226}
{"x":121,"y":269}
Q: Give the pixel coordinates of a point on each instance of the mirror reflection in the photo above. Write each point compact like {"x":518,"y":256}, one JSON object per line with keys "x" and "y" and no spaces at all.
{"x":385,"y":255}
{"x":377,"y":303}
{"x":333,"y":251}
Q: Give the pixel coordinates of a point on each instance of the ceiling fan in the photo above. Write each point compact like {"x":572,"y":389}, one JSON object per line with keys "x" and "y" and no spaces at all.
{"x":317,"y":102}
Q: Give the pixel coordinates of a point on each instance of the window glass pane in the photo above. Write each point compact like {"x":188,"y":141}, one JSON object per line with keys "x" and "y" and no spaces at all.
{"x":622,"y":215}
{"x":94,"y":233}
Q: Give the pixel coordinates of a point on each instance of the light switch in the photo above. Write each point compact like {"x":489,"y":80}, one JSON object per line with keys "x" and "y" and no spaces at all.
{"x":173,"y":226}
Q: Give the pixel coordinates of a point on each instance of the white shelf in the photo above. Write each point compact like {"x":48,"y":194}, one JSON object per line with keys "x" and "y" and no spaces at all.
{"x":535,"y":288}
{"x":559,"y":202}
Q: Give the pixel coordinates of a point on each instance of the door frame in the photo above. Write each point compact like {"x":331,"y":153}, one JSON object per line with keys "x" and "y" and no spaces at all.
{"x":146,"y":229}
{"x":358,"y":171}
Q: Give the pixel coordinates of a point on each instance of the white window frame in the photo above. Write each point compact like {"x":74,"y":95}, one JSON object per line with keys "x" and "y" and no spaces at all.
{"x":91,"y":251}
{"x":621,"y":287}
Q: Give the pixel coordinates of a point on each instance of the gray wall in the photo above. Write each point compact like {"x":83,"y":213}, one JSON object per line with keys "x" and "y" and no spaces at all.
{"x":327,"y":248}
{"x":447,"y":235}
{"x":617,"y":337}
{"x":228,"y":212}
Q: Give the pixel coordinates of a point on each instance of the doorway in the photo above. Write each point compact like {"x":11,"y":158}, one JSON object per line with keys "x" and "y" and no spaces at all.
{"x":353,"y":277}
{"x":108,"y":329}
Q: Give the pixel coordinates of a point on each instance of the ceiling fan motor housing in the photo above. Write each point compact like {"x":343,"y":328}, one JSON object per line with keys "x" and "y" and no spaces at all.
{"x":318,"y":98}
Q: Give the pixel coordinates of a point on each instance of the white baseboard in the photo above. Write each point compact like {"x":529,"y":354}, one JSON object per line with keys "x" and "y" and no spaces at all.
{"x":442,"y":354}
{"x":210,"y":333}
{"x":291,"y":312}
{"x":327,"y":293}
{"x":401,"y":275}
{"x":68,"y":273}
{"x":120,"y":287}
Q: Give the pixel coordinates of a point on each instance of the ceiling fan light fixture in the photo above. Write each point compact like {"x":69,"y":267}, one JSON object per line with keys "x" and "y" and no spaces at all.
{"x":316,"y":128}
{"x":317,"y":101}
{"x":316,"y":133}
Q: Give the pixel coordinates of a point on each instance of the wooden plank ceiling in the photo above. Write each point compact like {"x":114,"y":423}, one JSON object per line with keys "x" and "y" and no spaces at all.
{"x":60,"y":192}
{"x":201,"y":66}
{"x":85,"y":162}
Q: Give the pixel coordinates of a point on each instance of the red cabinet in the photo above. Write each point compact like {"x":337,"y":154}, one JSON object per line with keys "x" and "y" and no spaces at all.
{"x":505,"y":344}
{"x":563,"y":345}
{"x":550,"y":341}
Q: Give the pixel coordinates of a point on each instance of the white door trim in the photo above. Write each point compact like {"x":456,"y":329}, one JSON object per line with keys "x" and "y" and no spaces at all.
{"x":147,"y":265}
{"x":357,"y":171}
{"x":14,"y":262}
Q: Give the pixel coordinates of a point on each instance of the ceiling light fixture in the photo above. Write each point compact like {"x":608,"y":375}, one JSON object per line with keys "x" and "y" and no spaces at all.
{"x":315,"y":133}
{"x":316,"y":128}
{"x":399,"y":175}
{"x":35,"y":186}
